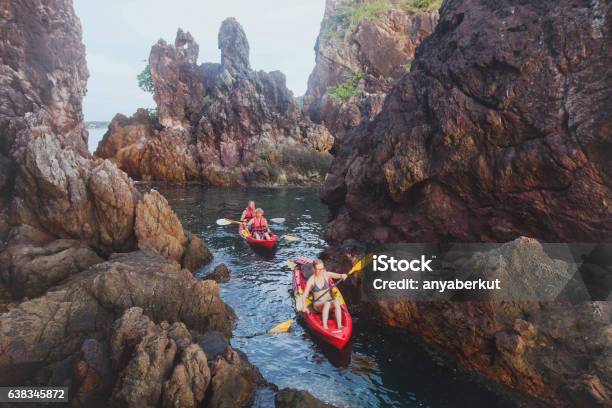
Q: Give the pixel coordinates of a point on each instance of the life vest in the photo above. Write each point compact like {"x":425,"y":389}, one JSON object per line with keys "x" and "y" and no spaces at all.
{"x":259,"y":225}
{"x":249,"y":213}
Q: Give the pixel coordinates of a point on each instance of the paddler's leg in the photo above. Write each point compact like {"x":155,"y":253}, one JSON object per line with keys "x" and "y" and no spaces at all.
{"x":267,"y":236}
{"x":325,"y":316}
{"x":338,"y":313}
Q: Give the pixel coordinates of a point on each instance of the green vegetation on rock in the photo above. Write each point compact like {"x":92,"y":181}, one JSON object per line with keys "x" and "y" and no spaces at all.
{"x":145,"y":82}
{"x":419,"y":6}
{"x":344,"y":91}
{"x":349,"y":15}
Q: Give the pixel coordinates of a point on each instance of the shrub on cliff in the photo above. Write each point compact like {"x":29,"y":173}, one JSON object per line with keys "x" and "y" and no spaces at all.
{"x":419,"y":6}
{"x":145,"y":82}
{"x":344,"y":91}
{"x":349,"y":15}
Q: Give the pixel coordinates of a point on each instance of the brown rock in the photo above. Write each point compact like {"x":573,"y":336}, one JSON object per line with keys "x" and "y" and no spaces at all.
{"x":30,"y":267}
{"x":42,"y":69}
{"x":92,"y":375}
{"x":492,"y":135}
{"x":220,"y":274}
{"x":519,"y":345}
{"x":158,"y":228}
{"x":189,"y":380}
{"x":197,"y":253}
{"x":52,"y":327}
{"x":380,"y":47}
{"x":291,"y":398}
{"x":234,"y":381}
{"x":161,"y":367}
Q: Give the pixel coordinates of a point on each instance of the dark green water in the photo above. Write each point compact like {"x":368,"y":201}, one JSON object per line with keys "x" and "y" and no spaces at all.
{"x":380,"y":369}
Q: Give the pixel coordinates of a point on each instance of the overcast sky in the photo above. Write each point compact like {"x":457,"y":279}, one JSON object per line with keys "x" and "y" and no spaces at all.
{"x":118,"y":35}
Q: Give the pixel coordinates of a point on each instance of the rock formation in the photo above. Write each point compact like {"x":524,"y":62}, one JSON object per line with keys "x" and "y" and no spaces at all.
{"x":500,"y":130}
{"x":78,"y":309}
{"x":375,"y":50}
{"x":222,"y":124}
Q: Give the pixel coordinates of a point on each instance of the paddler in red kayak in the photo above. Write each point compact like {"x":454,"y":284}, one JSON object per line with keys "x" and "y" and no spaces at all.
{"x":258,"y":226}
{"x":249,"y":212}
{"x":318,"y":283}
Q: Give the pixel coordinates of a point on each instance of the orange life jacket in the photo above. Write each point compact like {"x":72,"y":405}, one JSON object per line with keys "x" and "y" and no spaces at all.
{"x":259,"y":225}
{"x":249,"y":213}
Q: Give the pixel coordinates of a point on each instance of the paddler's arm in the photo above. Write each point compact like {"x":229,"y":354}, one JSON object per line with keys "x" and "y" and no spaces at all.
{"x":335,"y":275}
{"x":243,"y":216}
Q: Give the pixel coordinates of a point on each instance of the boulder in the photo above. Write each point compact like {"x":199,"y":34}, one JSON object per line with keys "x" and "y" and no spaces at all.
{"x":158,"y":228}
{"x":292,"y":398}
{"x":28,"y":267}
{"x":197,"y":253}
{"x":51,"y":327}
{"x":220,"y":274}
{"x":234,"y":381}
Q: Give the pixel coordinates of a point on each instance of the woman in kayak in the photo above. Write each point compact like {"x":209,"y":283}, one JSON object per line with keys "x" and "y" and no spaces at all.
{"x":249,"y":212}
{"x":258,"y":225}
{"x":318,"y":284}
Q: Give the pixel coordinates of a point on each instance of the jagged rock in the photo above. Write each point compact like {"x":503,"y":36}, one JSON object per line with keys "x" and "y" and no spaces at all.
{"x":380,"y":47}
{"x":223,"y":124}
{"x":43,"y":68}
{"x":213,"y":343}
{"x":52,"y":327}
{"x":158,"y":228}
{"x":521,"y":345}
{"x":189,"y":380}
{"x":197,"y":253}
{"x":92,"y":375}
{"x":69,"y":196}
{"x":220,"y":274}
{"x":29,"y":266}
{"x":234,"y":47}
{"x":158,"y":364}
{"x":291,"y":398}
{"x":234,"y":381}
{"x":491,"y":136}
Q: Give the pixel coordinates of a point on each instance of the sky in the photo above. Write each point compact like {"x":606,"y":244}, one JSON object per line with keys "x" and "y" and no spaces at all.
{"x":118,"y":35}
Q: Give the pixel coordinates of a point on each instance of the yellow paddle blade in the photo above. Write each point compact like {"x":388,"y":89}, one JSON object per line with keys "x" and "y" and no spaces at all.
{"x":290,"y":238}
{"x":363,"y":262}
{"x":282,"y":327}
{"x":291,"y":264}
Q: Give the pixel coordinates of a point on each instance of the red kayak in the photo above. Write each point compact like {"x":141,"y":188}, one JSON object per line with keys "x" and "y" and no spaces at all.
{"x":332,"y":335}
{"x":259,"y":243}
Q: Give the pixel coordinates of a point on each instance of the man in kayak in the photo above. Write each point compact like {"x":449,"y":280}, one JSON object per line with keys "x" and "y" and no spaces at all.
{"x":258,"y":225}
{"x":318,"y":284}
{"x":249,"y":212}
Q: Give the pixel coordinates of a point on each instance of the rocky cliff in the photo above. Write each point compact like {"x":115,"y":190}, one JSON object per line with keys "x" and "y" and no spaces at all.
{"x":501,"y":129}
{"x":64,"y":217}
{"x":361,"y":51}
{"x":222,"y":124}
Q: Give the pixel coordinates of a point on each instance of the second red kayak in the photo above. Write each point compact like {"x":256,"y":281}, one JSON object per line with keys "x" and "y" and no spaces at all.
{"x":332,"y":335}
{"x":259,"y":243}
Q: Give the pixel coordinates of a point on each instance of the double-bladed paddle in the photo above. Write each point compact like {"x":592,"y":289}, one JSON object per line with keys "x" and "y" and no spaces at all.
{"x":288,"y":238}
